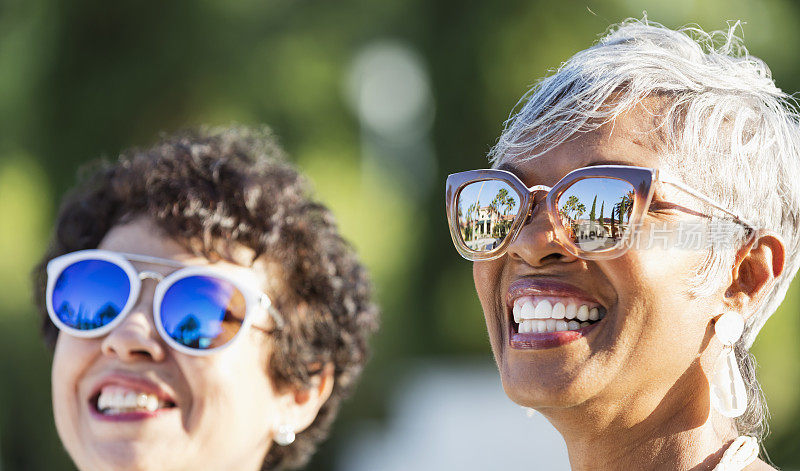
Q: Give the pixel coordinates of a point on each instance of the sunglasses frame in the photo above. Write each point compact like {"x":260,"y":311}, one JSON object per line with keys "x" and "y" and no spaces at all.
{"x":254,"y":299}
{"x":642,"y":179}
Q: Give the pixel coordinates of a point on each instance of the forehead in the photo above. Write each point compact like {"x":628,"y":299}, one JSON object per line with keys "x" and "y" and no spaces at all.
{"x":633,"y":138}
{"x":142,"y":236}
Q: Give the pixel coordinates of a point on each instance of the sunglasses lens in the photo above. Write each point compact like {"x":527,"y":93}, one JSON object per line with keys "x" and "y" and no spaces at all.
{"x":202,"y":312}
{"x":595,"y":212}
{"x":486,"y":211}
{"x":91,"y":293}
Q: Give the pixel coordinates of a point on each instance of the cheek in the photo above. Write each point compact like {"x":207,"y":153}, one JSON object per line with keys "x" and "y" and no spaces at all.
{"x":71,"y":359}
{"x":653,"y":276}
{"x":653,"y":290}
{"x":487,"y":281}
{"x":231,"y":386}
{"x":487,"y":277}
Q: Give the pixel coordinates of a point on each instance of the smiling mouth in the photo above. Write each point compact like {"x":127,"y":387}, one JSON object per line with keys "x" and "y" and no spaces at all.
{"x":117,"y":402}
{"x":534,"y":314}
{"x":549,"y":321}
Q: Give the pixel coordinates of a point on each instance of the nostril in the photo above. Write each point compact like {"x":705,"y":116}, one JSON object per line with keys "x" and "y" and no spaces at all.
{"x":141,"y":354}
{"x":552,"y":257}
{"x":131,"y":353}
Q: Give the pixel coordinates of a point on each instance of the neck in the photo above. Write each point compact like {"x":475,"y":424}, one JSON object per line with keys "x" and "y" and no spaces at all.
{"x":677,"y":430}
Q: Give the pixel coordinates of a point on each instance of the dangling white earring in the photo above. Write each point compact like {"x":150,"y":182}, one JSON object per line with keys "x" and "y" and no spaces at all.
{"x":285,"y":435}
{"x":728,"y":392}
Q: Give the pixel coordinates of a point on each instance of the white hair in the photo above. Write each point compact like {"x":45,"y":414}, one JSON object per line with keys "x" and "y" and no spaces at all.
{"x":727,"y":130}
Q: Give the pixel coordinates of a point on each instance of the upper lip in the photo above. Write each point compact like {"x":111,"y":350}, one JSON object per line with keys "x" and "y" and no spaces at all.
{"x":134,"y":383}
{"x":544,"y":287}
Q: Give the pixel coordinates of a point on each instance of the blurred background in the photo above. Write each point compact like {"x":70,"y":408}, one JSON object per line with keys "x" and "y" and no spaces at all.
{"x":365,"y":96}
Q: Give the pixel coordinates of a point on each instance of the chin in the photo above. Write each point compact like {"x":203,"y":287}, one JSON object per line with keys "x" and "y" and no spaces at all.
{"x":126,"y":458}
{"x":130,"y":455}
{"x":529,"y":387}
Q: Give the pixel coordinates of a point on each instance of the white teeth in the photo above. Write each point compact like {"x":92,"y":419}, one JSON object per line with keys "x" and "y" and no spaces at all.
{"x":543,"y":310}
{"x":583,"y":313}
{"x":527,"y":311}
{"x":540,"y":326}
{"x":551,"y":316}
{"x":103,"y":402}
{"x":530,"y":325}
{"x":118,"y":400}
{"x":559,"y":311}
{"x":550,"y":325}
{"x":573,"y":325}
{"x":523,"y":327}
{"x":141,"y":400}
{"x":533,"y":325}
{"x":152,"y":403}
{"x":130,"y":400}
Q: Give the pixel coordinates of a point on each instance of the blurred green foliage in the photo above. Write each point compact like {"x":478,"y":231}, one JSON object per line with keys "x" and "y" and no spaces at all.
{"x":87,"y":78}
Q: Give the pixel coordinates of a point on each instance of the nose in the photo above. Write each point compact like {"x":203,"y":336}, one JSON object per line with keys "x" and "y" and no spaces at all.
{"x":136,"y":337}
{"x":536,"y":244}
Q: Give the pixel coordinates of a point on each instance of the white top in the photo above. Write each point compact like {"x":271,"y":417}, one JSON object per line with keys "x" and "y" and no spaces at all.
{"x":742,"y":452}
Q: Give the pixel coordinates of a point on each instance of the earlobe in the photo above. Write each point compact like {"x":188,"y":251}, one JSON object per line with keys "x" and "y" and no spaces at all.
{"x":758,"y":264}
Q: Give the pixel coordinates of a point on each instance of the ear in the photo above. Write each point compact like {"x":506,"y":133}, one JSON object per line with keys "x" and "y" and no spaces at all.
{"x":757,"y":266}
{"x":299,"y":408}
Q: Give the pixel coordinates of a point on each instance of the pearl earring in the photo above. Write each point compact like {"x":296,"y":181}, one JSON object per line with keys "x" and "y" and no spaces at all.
{"x":285,"y":435}
{"x":728,"y":392}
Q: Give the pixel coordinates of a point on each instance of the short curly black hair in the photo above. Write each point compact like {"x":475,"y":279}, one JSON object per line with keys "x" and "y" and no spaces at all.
{"x":208,"y":186}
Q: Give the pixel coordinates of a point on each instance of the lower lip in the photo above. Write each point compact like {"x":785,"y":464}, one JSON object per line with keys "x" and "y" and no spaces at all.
{"x":542,"y":340}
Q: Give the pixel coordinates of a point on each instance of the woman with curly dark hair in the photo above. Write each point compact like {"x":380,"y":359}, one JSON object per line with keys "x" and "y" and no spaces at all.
{"x":204,"y":311}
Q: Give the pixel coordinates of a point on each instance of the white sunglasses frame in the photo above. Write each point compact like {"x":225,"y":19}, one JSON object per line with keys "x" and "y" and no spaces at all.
{"x":253,"y":298}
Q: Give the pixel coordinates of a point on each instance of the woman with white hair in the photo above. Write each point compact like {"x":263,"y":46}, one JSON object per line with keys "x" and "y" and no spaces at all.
{"x":635,"y":231}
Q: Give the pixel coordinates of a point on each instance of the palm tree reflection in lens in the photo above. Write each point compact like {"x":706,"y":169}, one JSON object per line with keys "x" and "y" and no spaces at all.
{"x":202,"y":312}
{"x":486,"y":211}
{"x":483,"y":226}
{"x":596,"y":233}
